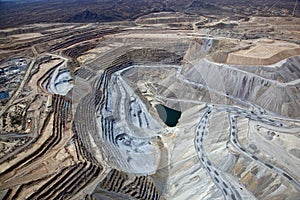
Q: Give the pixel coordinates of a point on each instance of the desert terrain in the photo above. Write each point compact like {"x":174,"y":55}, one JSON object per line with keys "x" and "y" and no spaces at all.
{"x":162,"y":105}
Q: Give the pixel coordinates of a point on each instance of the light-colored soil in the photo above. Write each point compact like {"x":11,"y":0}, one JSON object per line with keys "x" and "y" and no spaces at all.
{"x":264,"y":52}
{"x":26,"y":36}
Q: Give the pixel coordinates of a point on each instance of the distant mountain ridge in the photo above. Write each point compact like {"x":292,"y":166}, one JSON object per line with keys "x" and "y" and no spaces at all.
{"x":20,"y":12}
{"x":88,"y":16}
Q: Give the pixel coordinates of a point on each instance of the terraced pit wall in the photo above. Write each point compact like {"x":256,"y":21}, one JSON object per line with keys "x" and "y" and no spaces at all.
{"x":130,"y":185}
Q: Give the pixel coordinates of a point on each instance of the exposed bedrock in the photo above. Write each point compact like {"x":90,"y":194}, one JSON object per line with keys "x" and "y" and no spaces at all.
{"x":114,"y":118}
{"x":273,"y":95}
{"x":170,"y":106}
{"x":128,"y":55}
{"x":120,"y":185}
{"x":57,"y":80}
{"x":286,"y":70}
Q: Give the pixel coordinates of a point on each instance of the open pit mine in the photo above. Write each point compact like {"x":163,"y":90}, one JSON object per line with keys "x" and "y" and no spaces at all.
{"x":156,"y":108}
